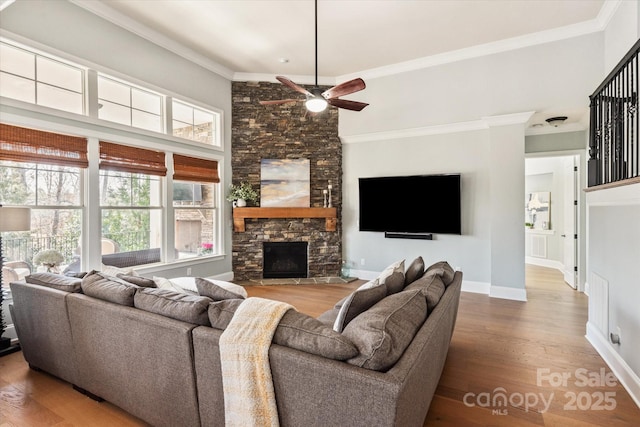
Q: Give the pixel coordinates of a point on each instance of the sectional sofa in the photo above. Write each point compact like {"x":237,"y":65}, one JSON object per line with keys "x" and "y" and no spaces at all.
{"x":373,"y":359}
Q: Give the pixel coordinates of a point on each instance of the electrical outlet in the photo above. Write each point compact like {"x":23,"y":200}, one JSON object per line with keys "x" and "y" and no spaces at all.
{"x":361,"y":261}
{"x":188,"y":271}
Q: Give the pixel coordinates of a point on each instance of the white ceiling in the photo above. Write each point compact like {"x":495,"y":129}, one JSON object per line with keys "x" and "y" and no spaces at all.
{"x":251,"y":36}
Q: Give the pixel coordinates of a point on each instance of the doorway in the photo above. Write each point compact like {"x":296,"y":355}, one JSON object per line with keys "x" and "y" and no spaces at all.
{"x":551,"y":233}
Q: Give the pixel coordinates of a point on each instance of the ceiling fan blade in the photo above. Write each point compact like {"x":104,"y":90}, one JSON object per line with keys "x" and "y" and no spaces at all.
{"x":279,"y":101}
{"x":285,"y":81}
{"x":346,"y":104}
{"x":344,"y":88}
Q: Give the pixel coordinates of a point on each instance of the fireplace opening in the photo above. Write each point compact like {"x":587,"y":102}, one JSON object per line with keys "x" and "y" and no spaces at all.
{"x":284,"y":260}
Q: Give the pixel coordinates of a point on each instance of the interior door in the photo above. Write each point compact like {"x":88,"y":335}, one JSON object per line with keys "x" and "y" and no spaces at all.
{"x":570,"y":241}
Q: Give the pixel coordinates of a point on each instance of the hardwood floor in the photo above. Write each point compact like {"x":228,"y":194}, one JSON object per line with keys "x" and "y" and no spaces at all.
{"x":496,"y":343}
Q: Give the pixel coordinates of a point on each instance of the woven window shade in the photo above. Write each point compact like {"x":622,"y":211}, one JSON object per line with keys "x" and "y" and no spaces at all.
{"x":122,"y":158}
{"x":194,"y":169}
{"x":19,"y":144}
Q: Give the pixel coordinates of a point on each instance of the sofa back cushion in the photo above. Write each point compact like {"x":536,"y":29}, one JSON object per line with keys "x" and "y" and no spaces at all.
{"x":219,"y":290}
{"x":431,"y":286}
{"x":414,"y":271}
{"x":383,"y":332}
{"x":442,"y":269}
{"x":55,"y":281}
{"x":176,"y":305}
{"x":99,"y":285}
{"x":143,"y":282}
{"x":295,"y":330}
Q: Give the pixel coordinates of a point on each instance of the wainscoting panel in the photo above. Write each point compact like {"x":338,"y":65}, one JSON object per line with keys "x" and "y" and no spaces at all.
{"x":599,"y":303}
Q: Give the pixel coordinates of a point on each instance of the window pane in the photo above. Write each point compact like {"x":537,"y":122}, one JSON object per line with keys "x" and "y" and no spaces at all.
{"x":193,"y":194}
{"x":32,"y":184}
{"x":58,"y":74}
{"x":17,"y":183}
{"x":17,"y":61}
{"x":182,"y":130}
{"x":129,"y":189}
{"x":113,"y":91}
{"x":146,"y":101}
{"x":60,"y":99}
{"x":114,"y":113}
{"x":131,"y":236}
{"x":17,"y":88}
{"x":182,"y":112}
{"x":203,"y":133}
{"x":147,"y":121}
{"x":194,"y":232}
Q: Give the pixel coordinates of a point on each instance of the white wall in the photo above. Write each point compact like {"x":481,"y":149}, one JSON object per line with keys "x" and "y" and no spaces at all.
{"x":65,"y":30}
{"x":621,"y":33}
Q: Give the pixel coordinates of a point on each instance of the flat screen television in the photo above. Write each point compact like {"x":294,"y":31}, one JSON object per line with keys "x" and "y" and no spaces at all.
{"x":411,"y":204}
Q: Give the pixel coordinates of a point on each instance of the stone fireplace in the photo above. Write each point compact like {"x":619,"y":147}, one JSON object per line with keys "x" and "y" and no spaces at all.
{"x":285,"y":131}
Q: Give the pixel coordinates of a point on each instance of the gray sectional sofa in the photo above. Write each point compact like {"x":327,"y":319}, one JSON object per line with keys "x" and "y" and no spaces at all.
{"x":155,"y":352}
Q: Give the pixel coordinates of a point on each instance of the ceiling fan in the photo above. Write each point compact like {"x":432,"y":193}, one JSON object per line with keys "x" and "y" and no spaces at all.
{"x":316,"y":99}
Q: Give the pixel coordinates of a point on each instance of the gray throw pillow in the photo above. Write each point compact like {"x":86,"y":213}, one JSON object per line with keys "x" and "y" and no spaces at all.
{"x":215,"y":292}
{"x":55,"y":281}
{"x":431,"y":286}
{"x":295,"y":330}
{"x":358,"y":302}
{"x":394,"y":283}
{"x":383,"y":332}
{"x":176,"y":305}
{"x":414,"y":271}
{"x":143,"y":282}
{"x":329,"y":317}
{"x":109,"y":288}
{"x":442,"y":269}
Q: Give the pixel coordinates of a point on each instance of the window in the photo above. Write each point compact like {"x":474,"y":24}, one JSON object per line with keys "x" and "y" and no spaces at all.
{"x":38,"y":79}
{"x":195,"y":206}
{"x":131,"y":204}
{"x":129,"y":105}
{"x":43,"y":171}
{"x":196,"y":124}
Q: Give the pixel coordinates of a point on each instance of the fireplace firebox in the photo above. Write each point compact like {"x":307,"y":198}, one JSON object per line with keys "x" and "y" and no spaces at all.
{"x":284,"y":260}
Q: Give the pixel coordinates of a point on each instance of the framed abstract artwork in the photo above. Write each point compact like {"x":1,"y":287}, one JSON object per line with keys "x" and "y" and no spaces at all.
{"x":285,"y":183}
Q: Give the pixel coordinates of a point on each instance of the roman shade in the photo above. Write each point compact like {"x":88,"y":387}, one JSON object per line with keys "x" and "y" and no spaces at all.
{"x":20,"y":144}
{"x":123,"y":158}
{"x":193,"y":169}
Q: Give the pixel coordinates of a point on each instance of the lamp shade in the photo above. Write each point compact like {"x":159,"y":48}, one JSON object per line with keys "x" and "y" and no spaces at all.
{"x":15,"y":219}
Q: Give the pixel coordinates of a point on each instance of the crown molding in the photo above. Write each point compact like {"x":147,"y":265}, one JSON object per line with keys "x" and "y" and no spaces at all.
{"x":469,"y":126}
{"x":508,"y":119}
{"x":104,"y":11}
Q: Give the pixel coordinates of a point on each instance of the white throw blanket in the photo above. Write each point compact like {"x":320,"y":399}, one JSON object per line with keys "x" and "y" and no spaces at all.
{"x":249,"y":397}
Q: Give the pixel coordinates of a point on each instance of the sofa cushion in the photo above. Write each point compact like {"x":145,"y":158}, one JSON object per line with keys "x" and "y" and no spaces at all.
{"x":55,"y":281}
{"x":143,"y":282}
{"x":358,"y":302}
{"x":109,"y":288}
{"x":295,"y":330}
{"x":414,"y":271}
{"x":219,"y":290}
{"x":431,"y":286}
{"x":442,"y":269}
{"x":383,"y":332}
{"x":394,"y":283}
{"x":176,"y":305}
{"x":329,"y":317}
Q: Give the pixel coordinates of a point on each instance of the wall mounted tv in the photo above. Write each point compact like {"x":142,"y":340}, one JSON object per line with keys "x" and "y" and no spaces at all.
{"x":411,"y":204}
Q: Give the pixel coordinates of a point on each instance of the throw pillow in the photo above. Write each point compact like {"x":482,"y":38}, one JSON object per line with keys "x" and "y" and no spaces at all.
{"x":442,"y":269}
{"x":188,"y":283}
{"x":143,"y":282}
{"x":55,"y":281}
{"x":383,"y":332}
{"x":295,"y":330}
{"x":164,"y":283}
{"x":358,"y":302}
{"x":396,"y":267}
{"x":219,"y":290}
{"x":176,"y":305}
{"x":431,"y":286}
{"x":414,"y":271}
{"x":110,"y":270}
{"x":329,"y":317}
{"x":394,"y":283}
{"x":109,"y":288}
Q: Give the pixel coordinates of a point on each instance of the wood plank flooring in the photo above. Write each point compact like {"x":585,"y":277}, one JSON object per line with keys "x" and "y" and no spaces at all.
{"x":496,"y":343}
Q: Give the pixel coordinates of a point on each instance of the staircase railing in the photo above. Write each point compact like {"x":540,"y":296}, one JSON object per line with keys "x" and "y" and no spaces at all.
{"x":613,"y":140}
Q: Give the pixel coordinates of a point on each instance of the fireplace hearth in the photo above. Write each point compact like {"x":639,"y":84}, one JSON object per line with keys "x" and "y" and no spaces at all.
{"x":285,"y":260}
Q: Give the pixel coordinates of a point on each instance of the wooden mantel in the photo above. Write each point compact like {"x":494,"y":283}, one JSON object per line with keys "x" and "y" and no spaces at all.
{"x":240,"y":214}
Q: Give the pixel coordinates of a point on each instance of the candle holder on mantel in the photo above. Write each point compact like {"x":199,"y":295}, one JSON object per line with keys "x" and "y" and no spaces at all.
{"x":329,"y":188}
{"x":324,"y":198}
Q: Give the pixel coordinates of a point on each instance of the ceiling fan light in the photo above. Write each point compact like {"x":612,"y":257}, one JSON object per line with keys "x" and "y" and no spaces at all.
{"x":316,"y":105}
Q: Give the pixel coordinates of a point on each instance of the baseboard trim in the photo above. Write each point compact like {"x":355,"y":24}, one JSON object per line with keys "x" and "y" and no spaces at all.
{"x":544,"y":262}
{"x":227,"y":277}
{"x":476,"y":287}
{"x":504,"y":292}
{"x":629,"y":380}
